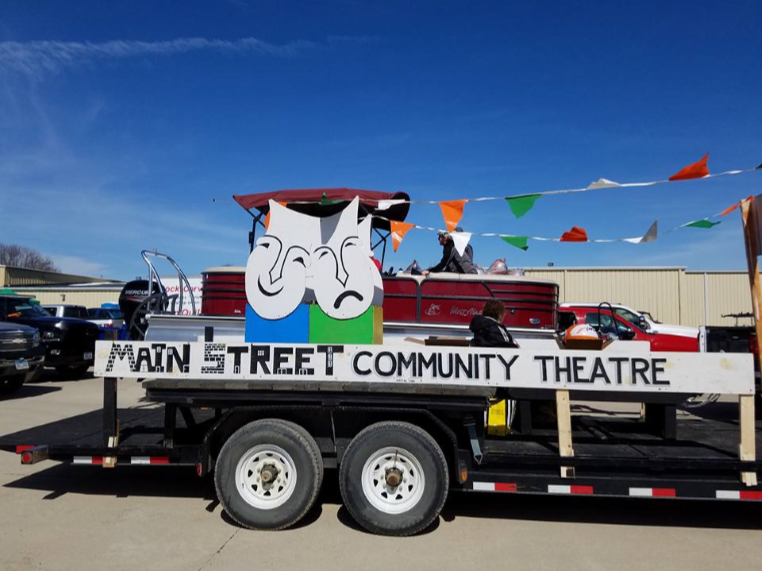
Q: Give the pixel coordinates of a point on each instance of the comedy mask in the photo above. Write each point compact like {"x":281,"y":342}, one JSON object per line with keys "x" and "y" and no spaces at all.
{"x":276,"y":273}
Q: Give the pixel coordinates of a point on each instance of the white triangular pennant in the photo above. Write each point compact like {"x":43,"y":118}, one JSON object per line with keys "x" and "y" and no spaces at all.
{"x":649,"y":236}
{"x":460,"y":241}
{"x":602,"y":183}
{"x":387,"y":204}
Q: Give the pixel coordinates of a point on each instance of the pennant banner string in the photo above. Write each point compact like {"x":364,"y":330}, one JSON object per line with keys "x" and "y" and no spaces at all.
{"x":576,"y":234}
{"x":600,"y":184}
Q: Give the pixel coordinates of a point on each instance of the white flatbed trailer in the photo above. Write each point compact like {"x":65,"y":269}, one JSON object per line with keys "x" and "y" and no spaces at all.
{"x":404,"y":425}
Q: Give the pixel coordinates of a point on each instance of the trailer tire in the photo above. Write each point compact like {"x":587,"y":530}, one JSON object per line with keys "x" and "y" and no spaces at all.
{"x":291,"y":460}
{"x":11,"y":384}
{"x":414,"y":459}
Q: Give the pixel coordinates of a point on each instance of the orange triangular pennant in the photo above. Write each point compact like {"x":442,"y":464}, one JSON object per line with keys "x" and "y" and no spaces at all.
{"x":267,"y":216}
{"x":399,"y":229}
{"x":730,"y":209}
{"x":452,"y":210}
{"x":696,"y":170}
{"x":576,"y":234}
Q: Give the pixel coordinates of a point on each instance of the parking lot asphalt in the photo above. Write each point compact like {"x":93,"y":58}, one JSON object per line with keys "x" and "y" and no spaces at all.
{"x":57,"y":516}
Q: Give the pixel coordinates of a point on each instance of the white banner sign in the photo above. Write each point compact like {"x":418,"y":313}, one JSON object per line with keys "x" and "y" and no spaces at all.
{"x":172,"y":284}
{"x":724,"y":373}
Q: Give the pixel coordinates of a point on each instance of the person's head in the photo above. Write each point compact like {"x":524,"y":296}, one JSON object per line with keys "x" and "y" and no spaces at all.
{"x":443,"y":237}
{"x":495,"y":309}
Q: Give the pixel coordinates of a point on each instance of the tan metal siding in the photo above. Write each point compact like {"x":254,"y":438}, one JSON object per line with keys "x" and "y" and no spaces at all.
{"x":671,"y":295}
{"x":87,"y":298}
{"x":693,"y":304}
{"x":728,"y":293}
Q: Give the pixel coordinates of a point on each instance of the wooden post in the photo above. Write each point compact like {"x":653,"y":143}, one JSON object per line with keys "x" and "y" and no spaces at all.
{"x":563,"y":415}
{"x":747,"y":445}
{"x":110,"y":419}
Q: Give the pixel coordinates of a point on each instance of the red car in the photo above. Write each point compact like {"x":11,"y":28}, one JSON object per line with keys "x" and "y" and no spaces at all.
{"x":625,"y":329}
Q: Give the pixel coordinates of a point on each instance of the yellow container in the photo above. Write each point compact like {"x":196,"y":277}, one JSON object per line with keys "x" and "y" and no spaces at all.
{"x":497,"y":419}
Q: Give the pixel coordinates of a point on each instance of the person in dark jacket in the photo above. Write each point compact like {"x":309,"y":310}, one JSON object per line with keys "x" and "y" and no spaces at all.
{"x":452,"y":261}
{"x":488,"y":328}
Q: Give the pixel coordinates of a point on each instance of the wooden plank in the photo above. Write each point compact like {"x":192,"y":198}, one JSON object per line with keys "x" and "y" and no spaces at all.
{"x":113,"y":442}
{"x":747,"y":444}
{"x":747,"y":447}
{"x":563,"y":415}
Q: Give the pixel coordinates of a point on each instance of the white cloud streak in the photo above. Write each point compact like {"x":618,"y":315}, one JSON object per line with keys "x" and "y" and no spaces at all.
{"x":40,"y":57}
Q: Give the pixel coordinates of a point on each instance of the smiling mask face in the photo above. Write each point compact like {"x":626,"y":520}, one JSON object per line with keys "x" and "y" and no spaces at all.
{"x":343,"y":273}
{"x":277,"y":270}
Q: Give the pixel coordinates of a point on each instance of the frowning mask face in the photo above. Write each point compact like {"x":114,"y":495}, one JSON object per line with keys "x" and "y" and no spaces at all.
{"x":343,"y":273}
{"x":277,"y":270}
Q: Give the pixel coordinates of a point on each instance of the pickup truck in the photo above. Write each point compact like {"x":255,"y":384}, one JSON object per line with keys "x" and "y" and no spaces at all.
{"x":69,"y":342}
{"x":21,"y":355}
{"x":616,"y":325}
{"x":105,"y":318}
{"x":642,"y":319}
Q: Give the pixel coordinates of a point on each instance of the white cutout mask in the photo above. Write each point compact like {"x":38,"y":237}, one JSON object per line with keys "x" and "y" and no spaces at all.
{"x":277,"y":270}
{"x":344,"y":276}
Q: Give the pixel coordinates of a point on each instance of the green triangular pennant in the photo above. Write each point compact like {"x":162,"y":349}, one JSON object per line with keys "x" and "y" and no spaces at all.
{"x":701,"y":224}
{"x":325,"y":201}
{"x":520,"y":205}
{"x":519,"y":242}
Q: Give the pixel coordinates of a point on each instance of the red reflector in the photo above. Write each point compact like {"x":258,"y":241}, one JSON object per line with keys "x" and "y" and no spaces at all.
{"x":500,"y":487}
{"x":664,"y":493}
{"x":159,"y":460}
{"x":199,"y":469}
{"x":97,"y":460}
{"x":751,"y":495}
{"x":581,"y":489}
{"x":26,"y":458}
{"x":22,"y":448}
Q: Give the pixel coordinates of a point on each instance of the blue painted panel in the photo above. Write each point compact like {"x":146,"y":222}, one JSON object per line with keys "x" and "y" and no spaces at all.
{"x":293,"y":329}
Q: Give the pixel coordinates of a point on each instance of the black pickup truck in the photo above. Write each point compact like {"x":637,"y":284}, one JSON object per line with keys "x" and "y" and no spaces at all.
{"x":69,"y":343}
{"x":21,"y":355}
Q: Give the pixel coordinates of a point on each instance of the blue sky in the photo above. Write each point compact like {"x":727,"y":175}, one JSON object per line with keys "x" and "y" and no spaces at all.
{"x":121,"y":121}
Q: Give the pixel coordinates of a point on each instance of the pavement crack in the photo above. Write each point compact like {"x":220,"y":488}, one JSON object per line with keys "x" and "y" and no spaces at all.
{"x":216,"y":553}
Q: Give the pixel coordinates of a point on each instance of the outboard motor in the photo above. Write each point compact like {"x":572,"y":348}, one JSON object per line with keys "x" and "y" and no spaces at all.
{"x":137,"y":299}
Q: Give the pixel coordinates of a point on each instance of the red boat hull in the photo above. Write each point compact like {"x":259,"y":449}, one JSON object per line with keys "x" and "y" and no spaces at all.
{"x":447,"y":299}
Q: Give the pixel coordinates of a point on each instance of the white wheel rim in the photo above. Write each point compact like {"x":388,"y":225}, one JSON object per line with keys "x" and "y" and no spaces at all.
{"x":266,"y":495}
{"x":393,"y":499}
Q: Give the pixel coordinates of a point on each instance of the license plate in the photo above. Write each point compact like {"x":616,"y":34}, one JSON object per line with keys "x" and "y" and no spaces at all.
{"x":88,"y":356}
{"x":22,"y":364}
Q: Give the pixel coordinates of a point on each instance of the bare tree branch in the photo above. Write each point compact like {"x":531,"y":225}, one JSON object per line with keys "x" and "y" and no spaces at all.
{"x":23,"y":257}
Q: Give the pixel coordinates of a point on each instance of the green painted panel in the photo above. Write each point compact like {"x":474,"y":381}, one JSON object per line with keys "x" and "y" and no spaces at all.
{"x":357,"y":331}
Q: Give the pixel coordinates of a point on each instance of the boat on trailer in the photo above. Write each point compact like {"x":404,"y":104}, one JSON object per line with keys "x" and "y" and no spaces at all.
{"x":414,"y":306}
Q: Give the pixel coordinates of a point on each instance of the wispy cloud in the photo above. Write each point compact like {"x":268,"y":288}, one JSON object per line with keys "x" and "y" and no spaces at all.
{"x":78,"y":266}
{"x":40,"y":57}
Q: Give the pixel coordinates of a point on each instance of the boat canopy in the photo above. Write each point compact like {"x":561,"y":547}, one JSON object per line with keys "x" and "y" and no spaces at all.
{"x":327,"y":201}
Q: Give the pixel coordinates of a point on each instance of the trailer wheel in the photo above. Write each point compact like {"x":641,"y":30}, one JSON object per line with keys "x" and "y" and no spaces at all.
{"x":394,"y":478}
{"x":11,"y":384}
{"x":268,"y":474}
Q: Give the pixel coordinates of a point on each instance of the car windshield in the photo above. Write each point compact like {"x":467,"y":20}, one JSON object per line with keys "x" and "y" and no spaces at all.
{"x":20,"y":308}
{"x":79,"y":312}
{"x":606,"y":323}
{"x":650,"y":317}
{"x":627,"y":315}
